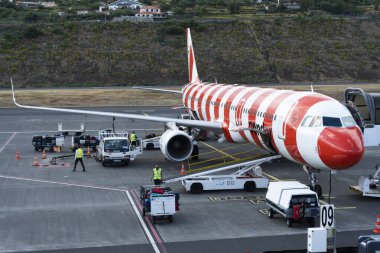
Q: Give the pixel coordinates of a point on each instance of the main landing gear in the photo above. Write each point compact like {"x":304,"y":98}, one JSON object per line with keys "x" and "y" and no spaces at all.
{"x":313,"y":179}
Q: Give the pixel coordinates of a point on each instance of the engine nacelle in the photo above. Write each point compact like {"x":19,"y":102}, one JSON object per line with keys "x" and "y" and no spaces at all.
{"x":176,"y":145}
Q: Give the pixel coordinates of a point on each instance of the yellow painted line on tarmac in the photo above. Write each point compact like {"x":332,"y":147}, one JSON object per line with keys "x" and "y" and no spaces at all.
{"x":345,"y":207}
{"x":338,"y":208}
{"x":271,"y":177}
{"x":218,"y":150}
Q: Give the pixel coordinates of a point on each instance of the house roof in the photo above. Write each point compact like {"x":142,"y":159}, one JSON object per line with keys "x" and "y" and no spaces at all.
{"x":125,"y":2}
{"x":149,"y":12}
{"x":150,"y":7}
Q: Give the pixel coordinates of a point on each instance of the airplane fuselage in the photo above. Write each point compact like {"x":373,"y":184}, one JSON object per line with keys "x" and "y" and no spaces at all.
{"x":305,"y":127}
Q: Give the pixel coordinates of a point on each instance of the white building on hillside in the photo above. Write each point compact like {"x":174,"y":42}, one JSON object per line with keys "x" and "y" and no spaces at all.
{"x":150,"y":12}
{"x":131,"y":4}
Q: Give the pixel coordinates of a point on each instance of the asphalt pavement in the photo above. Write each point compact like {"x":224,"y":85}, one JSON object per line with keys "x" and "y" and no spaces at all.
{"x":52,"y":209}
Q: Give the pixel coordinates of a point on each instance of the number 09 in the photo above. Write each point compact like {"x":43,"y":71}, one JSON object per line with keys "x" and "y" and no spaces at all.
{"x":327,"y":216}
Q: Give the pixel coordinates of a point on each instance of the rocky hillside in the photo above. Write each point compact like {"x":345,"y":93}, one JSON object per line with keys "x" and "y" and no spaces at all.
{"x":255,"y":51}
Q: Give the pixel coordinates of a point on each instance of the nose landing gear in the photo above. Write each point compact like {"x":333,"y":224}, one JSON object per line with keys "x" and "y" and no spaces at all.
{"x":313,"y":179}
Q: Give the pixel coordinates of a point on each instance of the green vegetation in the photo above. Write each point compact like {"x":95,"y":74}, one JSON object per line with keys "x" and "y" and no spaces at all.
{"x":302,"y":49}
{"x":235,"y":41}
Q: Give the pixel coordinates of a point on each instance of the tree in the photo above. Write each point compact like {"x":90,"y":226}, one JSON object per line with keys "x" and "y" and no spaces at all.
{"x":306,"y":5}
{"x":376,"y":4}
{"x":31,"y":17}
{"x":233,"y":6}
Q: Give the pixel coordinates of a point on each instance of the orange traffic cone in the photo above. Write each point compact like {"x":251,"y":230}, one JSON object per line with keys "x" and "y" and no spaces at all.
{"x":35,"y":163}
{"x":18,"y":156}
{"x":183,"y":169}
{"x":43,"y":154}
{"x":88,"y":152}
{"x":377,"y":225}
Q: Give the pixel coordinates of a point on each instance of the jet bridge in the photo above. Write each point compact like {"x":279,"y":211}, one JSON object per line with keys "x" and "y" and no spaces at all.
{"x":365,"y":109}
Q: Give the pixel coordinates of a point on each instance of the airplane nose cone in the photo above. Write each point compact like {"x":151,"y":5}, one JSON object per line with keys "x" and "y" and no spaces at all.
{"x":340,"y":148}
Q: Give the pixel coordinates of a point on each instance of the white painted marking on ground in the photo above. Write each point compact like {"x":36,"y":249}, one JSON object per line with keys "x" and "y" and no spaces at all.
{"x":7,"y":142}
{"x":146,"y":230}
{"x":61,"y":183}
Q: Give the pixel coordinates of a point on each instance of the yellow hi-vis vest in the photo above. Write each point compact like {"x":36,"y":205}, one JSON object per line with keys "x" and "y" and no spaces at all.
{"x":157,"y":174}
{"x":133,"y":137}
{"x":79,"y":153}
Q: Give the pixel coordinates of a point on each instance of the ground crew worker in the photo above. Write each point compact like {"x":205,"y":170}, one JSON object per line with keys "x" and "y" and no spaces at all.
{"x":133,"y":138}
{"x":78,"y":158}
{"x":157,"y":175}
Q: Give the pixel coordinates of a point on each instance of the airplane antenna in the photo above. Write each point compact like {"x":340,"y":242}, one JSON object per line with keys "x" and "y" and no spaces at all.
{"x":216,"y":80}
{"x":312,"y":89}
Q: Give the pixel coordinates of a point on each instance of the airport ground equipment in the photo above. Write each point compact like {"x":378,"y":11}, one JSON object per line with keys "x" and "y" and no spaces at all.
{"x":292,"y":200}
{"x":43,"y":142}
{"x":159,"y":202}
{"x":53,"y":160}
{"x":369,"y":244}
{"x":151,"y":141}
{"x":316,"y":240}
{"x":247,"y":176}
{"x":369,"y":185}
{"x":84,"y":141}
{"x":71,"y":132}
{"x":115,"y":148}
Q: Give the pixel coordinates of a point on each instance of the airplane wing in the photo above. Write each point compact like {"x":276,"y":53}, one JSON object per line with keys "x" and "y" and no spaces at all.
{"x":207,"y":125}
{"x":159,"y":90}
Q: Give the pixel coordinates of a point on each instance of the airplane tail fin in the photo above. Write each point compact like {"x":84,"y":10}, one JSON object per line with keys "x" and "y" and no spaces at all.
{"x":193,"y":72}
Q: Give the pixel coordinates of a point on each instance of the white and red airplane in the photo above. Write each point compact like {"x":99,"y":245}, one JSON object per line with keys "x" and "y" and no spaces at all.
{"x":308,"y":128}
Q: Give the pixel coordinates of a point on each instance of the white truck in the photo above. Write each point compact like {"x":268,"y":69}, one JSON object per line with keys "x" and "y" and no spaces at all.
{"x":292,"y":200}
{"x":248,"y":178}
{"x":369,"y":186}
{"x":115,"y":148}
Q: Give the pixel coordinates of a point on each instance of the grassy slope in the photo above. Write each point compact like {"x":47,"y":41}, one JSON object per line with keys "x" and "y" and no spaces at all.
{"x":131,"y":97}
{"x":290,"y":50}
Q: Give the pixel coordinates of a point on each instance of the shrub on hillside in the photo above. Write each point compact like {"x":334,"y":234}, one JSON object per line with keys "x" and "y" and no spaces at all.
{"x":32,"y":32}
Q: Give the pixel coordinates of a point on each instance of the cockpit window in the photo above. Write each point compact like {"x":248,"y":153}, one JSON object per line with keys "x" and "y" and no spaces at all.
{"x":348,"y":121}
{"x":332,"y":122}
{"x":312,"y":121}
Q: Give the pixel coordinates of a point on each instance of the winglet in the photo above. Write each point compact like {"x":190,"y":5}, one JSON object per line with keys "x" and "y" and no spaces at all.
{"x":312,"y":89}
{"x":193,"y":72}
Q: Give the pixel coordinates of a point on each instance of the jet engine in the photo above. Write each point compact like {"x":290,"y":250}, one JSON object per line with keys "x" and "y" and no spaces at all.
{"x":176,"y":145}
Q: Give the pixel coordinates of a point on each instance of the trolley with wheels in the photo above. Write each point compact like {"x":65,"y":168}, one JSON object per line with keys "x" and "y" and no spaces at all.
{"x":292,"y":200}
{"x":159,"y":202}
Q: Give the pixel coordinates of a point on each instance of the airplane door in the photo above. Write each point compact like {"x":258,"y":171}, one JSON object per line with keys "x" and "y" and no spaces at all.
{"x":239,"y":112}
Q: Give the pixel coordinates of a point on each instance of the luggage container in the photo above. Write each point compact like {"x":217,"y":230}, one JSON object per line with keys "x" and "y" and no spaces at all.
{"x":159,"y":202}
{"x":292,"y":200}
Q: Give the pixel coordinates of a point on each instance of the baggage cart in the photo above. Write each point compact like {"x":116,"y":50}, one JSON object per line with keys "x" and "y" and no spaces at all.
{"x":159,"y":202}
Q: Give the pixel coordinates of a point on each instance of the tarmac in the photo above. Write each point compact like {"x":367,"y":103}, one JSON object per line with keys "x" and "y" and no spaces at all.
{"x":52,"y":209}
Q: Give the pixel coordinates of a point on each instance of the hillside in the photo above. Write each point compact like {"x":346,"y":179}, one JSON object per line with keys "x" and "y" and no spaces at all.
{"x":301,"y":49}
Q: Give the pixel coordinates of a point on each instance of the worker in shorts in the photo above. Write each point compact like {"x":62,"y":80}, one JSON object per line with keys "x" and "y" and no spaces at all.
{"x":78,"y":158}
{"x":157,"y":175}
{"x":133,"y":139}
